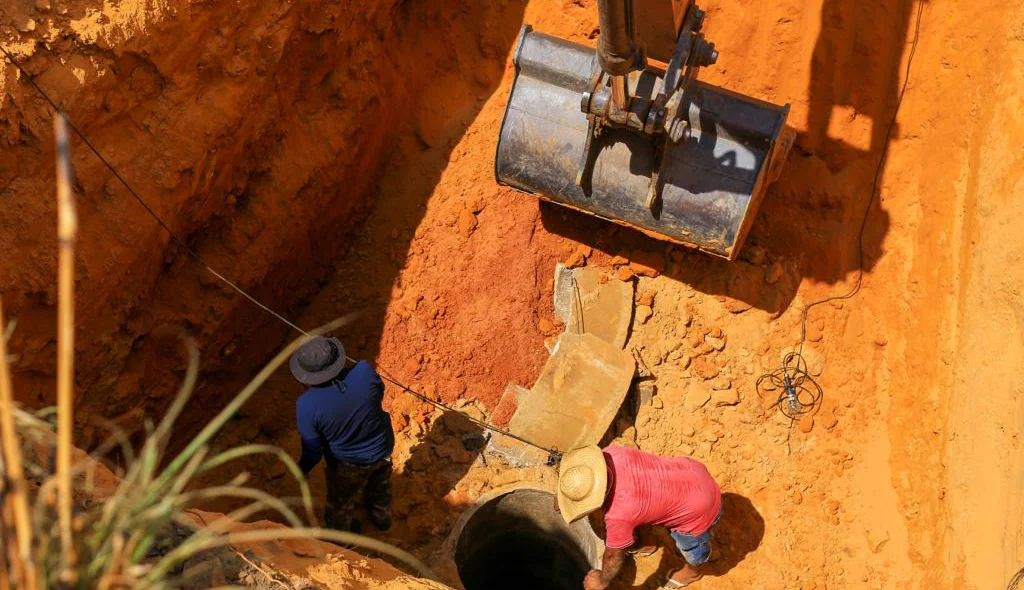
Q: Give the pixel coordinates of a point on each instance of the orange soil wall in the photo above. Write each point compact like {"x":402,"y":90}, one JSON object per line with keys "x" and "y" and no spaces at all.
{"x":255,"y":130}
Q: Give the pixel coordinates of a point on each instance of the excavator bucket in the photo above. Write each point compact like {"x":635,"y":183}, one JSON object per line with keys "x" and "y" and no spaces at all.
{"x":710,"y":182}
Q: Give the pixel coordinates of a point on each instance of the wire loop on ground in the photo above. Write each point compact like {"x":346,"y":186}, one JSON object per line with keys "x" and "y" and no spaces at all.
{"x":797,"y":393}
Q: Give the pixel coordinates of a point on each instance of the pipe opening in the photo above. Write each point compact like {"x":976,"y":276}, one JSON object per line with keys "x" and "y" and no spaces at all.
{"x":518,"y":540}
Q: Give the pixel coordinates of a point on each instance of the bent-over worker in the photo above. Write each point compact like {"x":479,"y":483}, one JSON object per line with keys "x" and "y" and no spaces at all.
{"x":634,"y":489}
{"x":340,"y":418}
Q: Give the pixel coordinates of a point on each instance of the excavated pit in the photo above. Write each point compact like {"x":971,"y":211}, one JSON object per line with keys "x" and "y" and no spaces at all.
{"x":518,"y":540}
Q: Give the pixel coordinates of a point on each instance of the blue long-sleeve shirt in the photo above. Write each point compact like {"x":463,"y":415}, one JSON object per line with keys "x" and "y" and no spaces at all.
{"x":344,"y":417}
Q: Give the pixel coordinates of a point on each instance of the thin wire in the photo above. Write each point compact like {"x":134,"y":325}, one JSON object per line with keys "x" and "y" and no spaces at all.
{"x":195,"y":255}
{"x":799,"y":394}
{"x":874,"y":184}
{"x":387,"y":377}
{"x":554,"y":454}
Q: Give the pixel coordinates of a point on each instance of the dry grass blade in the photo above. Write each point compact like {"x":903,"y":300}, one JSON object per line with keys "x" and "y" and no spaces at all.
{"x":67,"y":229}
{"x":265,"y":573}
{"x":218,"y":421}
{"x":290,"y":464}
{"x":23,"y":567}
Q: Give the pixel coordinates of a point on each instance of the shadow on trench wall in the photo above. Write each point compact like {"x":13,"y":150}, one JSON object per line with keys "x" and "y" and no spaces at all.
{"x":449,"y":57}
{"x":810,"y":218}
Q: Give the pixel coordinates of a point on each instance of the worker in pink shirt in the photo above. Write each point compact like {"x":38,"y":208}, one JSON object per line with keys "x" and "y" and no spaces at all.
{"x":634,"y":489}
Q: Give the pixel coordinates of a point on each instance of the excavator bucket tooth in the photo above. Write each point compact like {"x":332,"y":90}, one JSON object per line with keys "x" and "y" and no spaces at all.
{"x":711,"y":182}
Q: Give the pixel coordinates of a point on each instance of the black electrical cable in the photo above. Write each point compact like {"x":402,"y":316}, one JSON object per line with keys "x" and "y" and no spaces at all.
{"x":553,"y":454}
{"x":799,"y":394}
{"x":1016,"y":581}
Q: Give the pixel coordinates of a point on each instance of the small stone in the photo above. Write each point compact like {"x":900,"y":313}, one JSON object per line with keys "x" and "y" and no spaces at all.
{"x":684,"y":361}
{"x":657,"y":404}
{"x":578,"y":257}
{"x":736,"y":306}
{"x":27,"y":26}
{"x":755,"y":255}
{"x":647,"y":298}
{"x":550,"y":327}
{"x":726,"y":397}
{"x":476,"y":203}
{"x":697,"y":398}
{"x":881,"y":340}
{"x":685,"y":318}
{"x":624,"y":274}
{"x":43,"y":5}
{"x":618,"y":261}
{"x":806,"y":424}
{"x":828,"y":420}
{"x":815,"y":332}
{"x":277,"y":470}
{"x":715,"y":343}
{"x":643,"y":313}
{"x":647,"y":264}
{"x":721,"y":384}
{"x":688,"y":431}
{"x":415,"y":429}
{"x":645,"y":391}
{"x":715,"y":332}
{"x":773,"y":273}
{"x":704,"y":368}
{"x":467,"y":222}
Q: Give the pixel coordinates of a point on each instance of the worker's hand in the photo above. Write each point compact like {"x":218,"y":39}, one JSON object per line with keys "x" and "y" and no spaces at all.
{"x":593,"y":581}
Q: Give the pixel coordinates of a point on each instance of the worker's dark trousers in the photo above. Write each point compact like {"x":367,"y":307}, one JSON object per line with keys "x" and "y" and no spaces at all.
{"x":345,"y":481}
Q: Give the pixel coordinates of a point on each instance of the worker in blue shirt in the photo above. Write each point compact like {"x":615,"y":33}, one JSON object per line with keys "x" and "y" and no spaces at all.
{"x":341,"y":419}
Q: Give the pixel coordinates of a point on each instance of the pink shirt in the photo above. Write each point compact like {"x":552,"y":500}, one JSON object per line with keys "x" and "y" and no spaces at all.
{"x":644,"y":489}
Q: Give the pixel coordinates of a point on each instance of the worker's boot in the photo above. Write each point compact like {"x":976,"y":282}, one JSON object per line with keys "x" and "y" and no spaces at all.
{"x":381,"y":517}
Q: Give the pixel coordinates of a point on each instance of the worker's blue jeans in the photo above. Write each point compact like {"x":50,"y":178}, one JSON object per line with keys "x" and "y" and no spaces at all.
{"x":696,"y":549}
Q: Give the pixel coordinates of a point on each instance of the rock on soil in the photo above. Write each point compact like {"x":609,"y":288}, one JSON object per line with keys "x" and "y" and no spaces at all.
{"x":647,"y":263}
{"x":725,"y":397}
{"x":697,"y":397}
{"x":594,"y":306}
{"x":643,"y":313}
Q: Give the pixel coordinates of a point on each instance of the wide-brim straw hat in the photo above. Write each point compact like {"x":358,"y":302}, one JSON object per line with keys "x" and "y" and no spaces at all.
{"x":318,"y":361}
{"x":582,"y":482}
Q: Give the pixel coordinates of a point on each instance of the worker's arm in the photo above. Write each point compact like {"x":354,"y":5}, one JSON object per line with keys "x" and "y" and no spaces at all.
{"x":619,"y":536}
{"x":611,"y":563}
{"x":312,"y":450}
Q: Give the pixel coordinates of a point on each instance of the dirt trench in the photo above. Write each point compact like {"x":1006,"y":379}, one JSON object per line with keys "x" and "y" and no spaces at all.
{"x":336,"y":157}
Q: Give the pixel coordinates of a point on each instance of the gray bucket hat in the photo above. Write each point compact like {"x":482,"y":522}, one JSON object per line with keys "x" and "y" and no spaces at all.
{"x":318,"y":361}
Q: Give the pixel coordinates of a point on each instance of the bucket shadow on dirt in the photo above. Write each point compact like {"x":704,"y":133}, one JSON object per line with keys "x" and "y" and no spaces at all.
{"x":809,"y":221}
